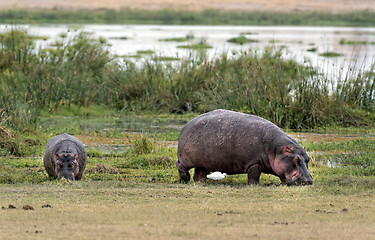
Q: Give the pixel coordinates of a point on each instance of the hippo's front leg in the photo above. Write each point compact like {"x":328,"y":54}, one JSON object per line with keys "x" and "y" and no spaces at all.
{"x":253,"y":174}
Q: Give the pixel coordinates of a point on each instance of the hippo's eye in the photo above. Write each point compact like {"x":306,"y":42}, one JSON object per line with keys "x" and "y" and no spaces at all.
{"x":296,"y":160}
{"x":59,"y":165}
{"x":72,"y":165}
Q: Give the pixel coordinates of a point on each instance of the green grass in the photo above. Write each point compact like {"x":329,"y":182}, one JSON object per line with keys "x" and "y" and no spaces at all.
{"x":172,"y":17}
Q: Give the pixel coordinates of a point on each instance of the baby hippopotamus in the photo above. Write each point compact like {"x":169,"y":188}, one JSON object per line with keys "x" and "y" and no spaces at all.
{"x":65,"y":156}
{"x":235,"y":143}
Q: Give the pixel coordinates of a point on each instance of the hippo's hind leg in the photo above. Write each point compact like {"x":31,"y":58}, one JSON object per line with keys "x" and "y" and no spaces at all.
{"x":183,"y":172}
{"x":200,"y":174}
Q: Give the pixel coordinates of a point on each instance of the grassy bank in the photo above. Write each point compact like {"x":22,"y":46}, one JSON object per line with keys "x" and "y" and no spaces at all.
{"x":173,"y":17}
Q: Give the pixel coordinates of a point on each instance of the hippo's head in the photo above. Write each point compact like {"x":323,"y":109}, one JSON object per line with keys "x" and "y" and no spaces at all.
{"x":66,"y":165}
{"x":291,"y":165}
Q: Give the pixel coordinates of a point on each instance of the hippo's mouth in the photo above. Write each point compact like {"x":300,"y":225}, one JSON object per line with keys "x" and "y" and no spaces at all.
{"x":298,"y":181}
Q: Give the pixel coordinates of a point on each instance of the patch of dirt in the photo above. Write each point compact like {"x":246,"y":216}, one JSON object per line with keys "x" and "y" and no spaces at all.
{"x":335,"y":6}
{"x":27,"y":207}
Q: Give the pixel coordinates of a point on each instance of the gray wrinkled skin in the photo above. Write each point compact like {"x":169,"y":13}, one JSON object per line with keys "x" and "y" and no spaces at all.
{"x":65,"y":157}
{"x":235,"y":143}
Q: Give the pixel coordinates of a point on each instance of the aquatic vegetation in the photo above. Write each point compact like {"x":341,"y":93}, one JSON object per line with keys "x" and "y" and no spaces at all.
{"x":313,"y":49}
{"x":352,"y":42}
{"x":330,"y":54}
{"x":145,"y":52}
{"x":241,"y":40}
{"x":196,"y":46}
{"x":188,"y":37}
{"x":119,"y":38}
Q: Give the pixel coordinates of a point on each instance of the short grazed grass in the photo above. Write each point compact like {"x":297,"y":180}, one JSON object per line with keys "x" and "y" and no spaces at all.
{"x":113,"y":210}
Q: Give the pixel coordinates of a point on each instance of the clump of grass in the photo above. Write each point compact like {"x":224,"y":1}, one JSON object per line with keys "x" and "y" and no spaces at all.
{"x":143,"y":146}
{"x":241,"y":40}
{"x":313,"y":49}
{"x":330,"y":54}
{"x":147,"y":52}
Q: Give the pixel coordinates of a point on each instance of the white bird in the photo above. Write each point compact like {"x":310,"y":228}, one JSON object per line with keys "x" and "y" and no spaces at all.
{"x":216,"y":175}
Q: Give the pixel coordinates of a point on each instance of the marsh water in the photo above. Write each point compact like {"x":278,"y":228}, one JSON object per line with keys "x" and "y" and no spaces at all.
{"x":304,"y":44}
{"x":114,"y":126}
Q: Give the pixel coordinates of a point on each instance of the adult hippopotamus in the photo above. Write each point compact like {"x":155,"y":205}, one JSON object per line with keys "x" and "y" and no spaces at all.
{"x":65,"y":156}
{"x":236,"y":143}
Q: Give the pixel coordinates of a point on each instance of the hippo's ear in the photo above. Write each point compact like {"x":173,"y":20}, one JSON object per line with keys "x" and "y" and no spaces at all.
{"x":288,"y":150}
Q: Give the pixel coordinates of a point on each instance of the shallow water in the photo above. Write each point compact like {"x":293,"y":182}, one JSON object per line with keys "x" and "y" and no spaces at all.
{"x":132,"y":124}
{"x":296,"y":41}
